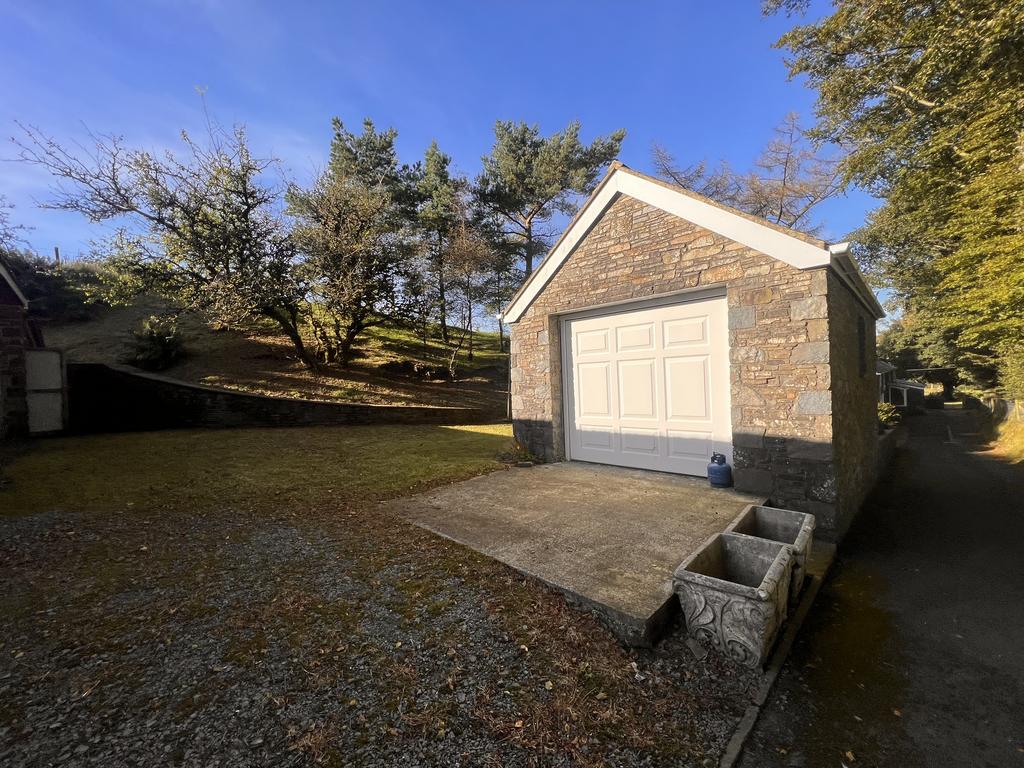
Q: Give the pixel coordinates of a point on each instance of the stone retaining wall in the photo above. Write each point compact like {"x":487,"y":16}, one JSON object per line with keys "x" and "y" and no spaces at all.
{"x":104,"y":398}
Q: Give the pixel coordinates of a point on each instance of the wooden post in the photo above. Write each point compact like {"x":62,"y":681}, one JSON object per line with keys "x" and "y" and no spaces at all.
{"x":56,"y":255}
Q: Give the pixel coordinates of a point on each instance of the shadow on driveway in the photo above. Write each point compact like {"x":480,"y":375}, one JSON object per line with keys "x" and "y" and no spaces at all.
{"x":912,"y":656}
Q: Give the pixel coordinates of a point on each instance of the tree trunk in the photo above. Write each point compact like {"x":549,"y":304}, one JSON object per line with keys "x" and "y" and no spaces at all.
{"x":528,"y":257}
{"x":288,"y":322}
{"x":501,"y":335}
{"x":469,"y":319}
{"x":442,"y":303}
{"x":345,"y":342}
{"x":455,"y":353}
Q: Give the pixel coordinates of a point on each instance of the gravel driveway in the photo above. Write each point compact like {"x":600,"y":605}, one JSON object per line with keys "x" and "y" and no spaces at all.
{"x":340,"y":637}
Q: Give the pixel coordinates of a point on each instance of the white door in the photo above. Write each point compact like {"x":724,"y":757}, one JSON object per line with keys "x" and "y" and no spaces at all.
{"x":44,"y":382}
{"x":649,"y":388}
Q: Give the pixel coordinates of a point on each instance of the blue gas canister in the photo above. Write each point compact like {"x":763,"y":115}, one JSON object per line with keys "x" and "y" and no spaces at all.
{"x":719,"y":473}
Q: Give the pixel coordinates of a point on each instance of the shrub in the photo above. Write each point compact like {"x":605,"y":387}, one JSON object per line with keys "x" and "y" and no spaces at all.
{"x":888,"y":416}
{"x":60,"y":294}
{"x":157,"y":345}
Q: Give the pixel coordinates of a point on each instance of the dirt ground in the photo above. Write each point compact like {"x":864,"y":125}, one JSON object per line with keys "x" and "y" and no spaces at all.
{"x":212,"y":599}
{"x":912,"y":655}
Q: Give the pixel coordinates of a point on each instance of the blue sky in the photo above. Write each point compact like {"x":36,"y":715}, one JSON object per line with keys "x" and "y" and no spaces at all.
{"x":701,"y":78}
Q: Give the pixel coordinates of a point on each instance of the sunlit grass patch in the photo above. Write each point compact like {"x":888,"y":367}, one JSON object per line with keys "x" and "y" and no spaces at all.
{"x":1010,"y":440}
{"x":283,"y":469}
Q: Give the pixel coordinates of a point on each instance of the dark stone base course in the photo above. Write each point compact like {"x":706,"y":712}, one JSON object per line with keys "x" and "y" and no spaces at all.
{"x":106,"y":398}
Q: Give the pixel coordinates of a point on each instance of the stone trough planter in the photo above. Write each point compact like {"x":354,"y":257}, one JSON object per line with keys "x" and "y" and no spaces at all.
{"x":785,"y":526}
{"x":733,"y":592}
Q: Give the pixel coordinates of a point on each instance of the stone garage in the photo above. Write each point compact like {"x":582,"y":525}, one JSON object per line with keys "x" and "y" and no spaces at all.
{"x":664,"y":327}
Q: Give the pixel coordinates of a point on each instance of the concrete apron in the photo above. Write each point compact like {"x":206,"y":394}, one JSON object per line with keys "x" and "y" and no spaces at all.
{"x":606,"y":537}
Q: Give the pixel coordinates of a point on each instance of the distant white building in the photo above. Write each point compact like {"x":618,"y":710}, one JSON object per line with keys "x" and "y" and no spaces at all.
{"x":900,"y":392}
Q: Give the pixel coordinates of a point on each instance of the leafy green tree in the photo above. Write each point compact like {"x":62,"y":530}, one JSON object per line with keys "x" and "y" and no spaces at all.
{"x":527,"y":178}
{"x":470,"y":261}
{"x":202,"y":229}
{"x":370,"y":157}
{"x":352,"y":229}
{"x":928,"y":97}
{"x":439,"y":193}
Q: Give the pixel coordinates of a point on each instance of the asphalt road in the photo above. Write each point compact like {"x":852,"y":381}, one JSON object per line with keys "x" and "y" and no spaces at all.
{"x":914,"y":652}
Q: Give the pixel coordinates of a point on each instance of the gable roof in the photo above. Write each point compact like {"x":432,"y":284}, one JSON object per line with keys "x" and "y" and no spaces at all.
{"x":794,"y":248}
{"x":6,"y":276}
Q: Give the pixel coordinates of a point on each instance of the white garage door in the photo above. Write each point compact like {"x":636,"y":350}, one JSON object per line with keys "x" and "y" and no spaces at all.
{"x":649,"y":387}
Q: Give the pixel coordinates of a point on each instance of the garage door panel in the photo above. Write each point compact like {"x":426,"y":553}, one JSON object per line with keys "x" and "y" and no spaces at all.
{"x":596,"y":438}
{"x":649,"y":387}
{"x":689,"y":445}
{"x":687,"y":384}
{"x":592,"y":342}
{"x":685,"y":333}
{"x":644,"y":442}
{"x":635,"y":338}
{"x":637,"y":389}
{"x":595,"y":397}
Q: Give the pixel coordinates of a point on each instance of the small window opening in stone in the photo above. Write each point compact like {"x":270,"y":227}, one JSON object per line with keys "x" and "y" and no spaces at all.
{"x":862,"y":347}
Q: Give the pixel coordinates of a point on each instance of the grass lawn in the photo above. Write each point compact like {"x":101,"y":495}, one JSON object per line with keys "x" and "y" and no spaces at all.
{"x":1010,"y":440}
{"x":244,"y":469}
{"x":238,"y":597}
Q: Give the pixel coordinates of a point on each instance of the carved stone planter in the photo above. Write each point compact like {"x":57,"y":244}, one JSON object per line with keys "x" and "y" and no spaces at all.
{"x":733,"y":592}
{"x":785,"y":526}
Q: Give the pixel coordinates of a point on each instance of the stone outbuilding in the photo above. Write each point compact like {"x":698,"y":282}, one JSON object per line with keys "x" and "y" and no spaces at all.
{"x":17,"y":335}
{"x":664,"y":327}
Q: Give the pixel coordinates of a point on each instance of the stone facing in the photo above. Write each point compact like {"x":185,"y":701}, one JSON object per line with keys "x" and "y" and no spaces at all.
{"x":782,"y":358}
{"x":14,"y":338}
{"x":854,"y":404}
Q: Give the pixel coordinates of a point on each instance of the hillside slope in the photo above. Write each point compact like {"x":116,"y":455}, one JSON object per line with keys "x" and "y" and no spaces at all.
{"x":262,"y":360}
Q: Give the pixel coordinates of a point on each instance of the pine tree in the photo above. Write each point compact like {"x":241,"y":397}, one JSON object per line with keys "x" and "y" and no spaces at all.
{"x":527,"y":178}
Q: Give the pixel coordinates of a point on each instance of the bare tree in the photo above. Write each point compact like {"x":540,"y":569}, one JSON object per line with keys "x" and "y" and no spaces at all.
{"x":10,"y":233}
{"x":789,"y":180}
{"x":204,"y":229}
{"x":719,"y":183}
{"x":792,"y":178}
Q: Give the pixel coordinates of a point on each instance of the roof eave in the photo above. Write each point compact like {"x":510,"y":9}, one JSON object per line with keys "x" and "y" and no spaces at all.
{"x":9,"y":279}
{"x":846,"y":267}
{"x":795,"y":248}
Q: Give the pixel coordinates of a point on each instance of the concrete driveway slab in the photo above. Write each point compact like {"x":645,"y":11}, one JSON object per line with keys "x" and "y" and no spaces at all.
{"x":608,"y":537}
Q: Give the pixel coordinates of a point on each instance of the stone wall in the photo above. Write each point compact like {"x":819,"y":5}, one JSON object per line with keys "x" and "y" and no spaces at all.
{"x":104,"y":398}
{"x":778,"y":338}
{"x":854,"y":403}
{"x":14,"y":337}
